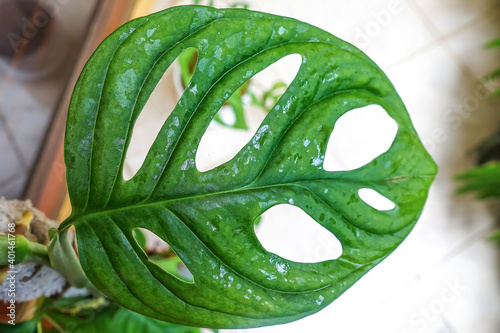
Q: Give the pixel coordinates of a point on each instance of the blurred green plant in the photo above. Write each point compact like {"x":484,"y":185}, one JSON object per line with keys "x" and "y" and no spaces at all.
{"x":89,"y":315}
{"x":495,"y":75}
{"x":237,"y":4}
{"x":484,"y":180}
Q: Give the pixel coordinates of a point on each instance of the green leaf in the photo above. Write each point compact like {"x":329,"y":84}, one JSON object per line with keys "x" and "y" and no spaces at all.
{"x":208,"y":217}
{"x":494,"y":43}
{"x":495,"y":237}
{"x":24,"y":327}
{"x":187,"y":62}
{"x":171,"y":265}
{"x":17,"y":246}
{"x":240,"y":5}
{"x":489,"y":149}
{"x":86,"y":321}
{"x":493,"y":75}
{"x":272,"y":95}
{"x":496,"y":73}
{"x":114,"y":319}
{"x":484,"y":180}
{"x":237,"y":106}
{"x":127,"y":321}
{"x":140,"y":238}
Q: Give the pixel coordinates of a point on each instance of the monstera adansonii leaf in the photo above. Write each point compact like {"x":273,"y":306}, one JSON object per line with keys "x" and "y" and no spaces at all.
{"x":207,"y":217}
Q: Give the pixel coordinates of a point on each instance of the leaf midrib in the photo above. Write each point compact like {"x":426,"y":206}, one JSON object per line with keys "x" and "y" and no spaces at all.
{"x":143,"y":204}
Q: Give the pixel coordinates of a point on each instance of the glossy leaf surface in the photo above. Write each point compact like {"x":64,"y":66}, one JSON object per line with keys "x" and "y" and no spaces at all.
{"x":207,"y":217}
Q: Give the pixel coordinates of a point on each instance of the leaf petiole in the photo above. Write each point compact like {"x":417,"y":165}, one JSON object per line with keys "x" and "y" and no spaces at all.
{"x":17,"y":249}
{"x":64,"y":259}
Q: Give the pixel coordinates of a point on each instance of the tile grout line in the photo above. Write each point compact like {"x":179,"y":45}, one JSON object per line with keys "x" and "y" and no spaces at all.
{"x":429,"y":46}
{"x":447,"y":324}
{"x":456,"y":31}
{"x":443,"y":39}
{"x":478,"y":236}
{"x":457,"y":250}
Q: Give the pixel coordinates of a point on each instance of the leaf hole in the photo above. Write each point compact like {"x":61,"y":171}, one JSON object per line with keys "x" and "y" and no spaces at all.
{"x":162,"y":254}
{"x":375,"y":199}
{"x":160,"y":104}
{"x":289,"y":232}
{"x":359,"y":136}
{"x":222,"y":141}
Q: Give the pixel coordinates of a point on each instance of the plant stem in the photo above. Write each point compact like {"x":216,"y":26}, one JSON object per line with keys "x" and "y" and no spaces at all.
{"x":18,"y":249}
{"x":59,"y":255}
{"x":38,"y":254}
